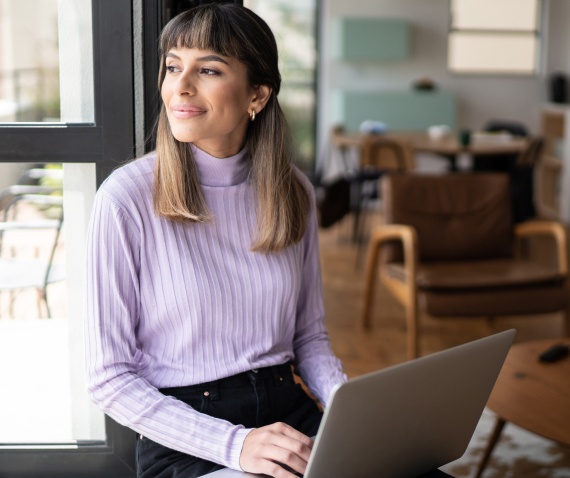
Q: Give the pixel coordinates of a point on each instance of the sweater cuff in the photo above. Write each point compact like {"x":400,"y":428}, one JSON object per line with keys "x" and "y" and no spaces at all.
{"x":235,"y":448}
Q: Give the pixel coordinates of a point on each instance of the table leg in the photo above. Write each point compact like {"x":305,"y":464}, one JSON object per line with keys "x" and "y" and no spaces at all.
{"x":491,"y":445}
{"x":356,"y":206}
{"x":452,"y":158}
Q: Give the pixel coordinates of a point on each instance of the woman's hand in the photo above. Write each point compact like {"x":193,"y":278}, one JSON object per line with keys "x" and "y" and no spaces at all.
{"x":274,"y":449}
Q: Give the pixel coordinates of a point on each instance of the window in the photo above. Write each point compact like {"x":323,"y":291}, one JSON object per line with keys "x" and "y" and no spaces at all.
{"x":294,"y":23}
{"x":29,"y":82}
{"x":66,"y":100}
{"x":494,"y":37}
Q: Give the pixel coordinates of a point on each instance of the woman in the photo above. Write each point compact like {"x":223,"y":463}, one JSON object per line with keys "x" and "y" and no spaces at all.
{"x":203,"y":268}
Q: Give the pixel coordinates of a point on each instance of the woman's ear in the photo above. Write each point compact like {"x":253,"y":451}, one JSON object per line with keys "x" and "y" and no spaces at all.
{"x":261,"y":96}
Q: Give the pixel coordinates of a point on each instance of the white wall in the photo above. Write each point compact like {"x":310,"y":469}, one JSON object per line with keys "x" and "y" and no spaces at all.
{"x":558,"y":52}
{"x":479,"y":98}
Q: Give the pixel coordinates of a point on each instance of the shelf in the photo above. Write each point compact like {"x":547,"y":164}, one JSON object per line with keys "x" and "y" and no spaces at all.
{"x":373,"y":39}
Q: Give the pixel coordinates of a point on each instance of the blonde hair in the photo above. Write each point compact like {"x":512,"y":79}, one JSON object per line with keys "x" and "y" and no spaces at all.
{"x":281,"y":198}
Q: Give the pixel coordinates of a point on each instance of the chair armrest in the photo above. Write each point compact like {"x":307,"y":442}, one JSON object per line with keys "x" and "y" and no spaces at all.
{"x":547,"y":228}
{"x":404,"y":291}
{"x":407,"y":236}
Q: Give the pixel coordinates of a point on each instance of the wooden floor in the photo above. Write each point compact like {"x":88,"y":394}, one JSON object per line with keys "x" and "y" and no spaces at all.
{"x":384,"y":344}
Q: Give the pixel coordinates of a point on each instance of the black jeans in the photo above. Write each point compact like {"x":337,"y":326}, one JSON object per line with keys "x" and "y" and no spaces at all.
{"x":253,"y":399}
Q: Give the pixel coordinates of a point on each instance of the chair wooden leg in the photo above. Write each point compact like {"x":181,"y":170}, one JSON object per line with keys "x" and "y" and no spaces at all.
{"x":495,"y":435}
{"x":566,"y":321}
{"x":370,"y":277}
{"x":45,"y":297}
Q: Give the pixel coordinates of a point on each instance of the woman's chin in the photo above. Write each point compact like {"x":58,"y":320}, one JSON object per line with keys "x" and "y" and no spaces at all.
{"x":185,"y":137}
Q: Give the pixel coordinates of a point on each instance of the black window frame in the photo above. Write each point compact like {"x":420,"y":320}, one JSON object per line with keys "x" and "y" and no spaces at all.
{"x":108,"y":142}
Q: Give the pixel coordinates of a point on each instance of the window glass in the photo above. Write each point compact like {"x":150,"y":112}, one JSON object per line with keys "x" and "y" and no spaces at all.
{"x":494,"y":14}
{"x":472,"y":52}
{"x":45,"y":48}
{"x":44,"y":398}
{"x":494,"y":37}
{"x":48,"y":426}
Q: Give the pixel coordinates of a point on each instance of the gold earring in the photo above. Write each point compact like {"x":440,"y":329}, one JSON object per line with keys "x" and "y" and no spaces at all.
{"x":252,"y":115}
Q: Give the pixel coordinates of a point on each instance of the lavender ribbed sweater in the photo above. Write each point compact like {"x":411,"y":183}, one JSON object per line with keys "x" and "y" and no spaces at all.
{"x":171,"y":304}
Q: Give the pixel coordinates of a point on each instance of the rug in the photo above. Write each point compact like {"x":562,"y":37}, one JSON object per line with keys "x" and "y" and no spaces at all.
{"x":518,"y":454}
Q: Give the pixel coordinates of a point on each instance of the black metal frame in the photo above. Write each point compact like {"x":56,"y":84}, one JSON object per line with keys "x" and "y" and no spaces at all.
{"x":108,"y":142}
{"x":152,"y":26}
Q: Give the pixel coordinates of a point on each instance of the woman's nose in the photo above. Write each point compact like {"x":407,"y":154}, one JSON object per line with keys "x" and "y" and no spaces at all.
{"x":185,"y":85}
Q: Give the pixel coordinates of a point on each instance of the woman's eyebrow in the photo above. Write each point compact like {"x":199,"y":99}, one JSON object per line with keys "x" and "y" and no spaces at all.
{"x":212,"y":58}
{"x":202,"y":58}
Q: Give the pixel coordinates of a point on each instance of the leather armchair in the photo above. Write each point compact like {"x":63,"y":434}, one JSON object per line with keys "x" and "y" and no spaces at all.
{"x":449,"y":247}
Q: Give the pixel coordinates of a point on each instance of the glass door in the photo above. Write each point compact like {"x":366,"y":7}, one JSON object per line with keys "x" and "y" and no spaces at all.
{"x":66,"y":120}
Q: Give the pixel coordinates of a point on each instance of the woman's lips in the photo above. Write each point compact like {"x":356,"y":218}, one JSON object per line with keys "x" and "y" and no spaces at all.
{"x":186,"y":111}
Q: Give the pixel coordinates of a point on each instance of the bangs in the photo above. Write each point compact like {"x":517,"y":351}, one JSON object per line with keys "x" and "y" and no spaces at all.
{"x":228,"y":30}
{"x":204,"y":29}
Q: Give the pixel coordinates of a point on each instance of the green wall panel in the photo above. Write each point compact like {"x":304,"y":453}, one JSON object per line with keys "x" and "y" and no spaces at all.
{"x":373,"y":39}
{"x":399,"y":110}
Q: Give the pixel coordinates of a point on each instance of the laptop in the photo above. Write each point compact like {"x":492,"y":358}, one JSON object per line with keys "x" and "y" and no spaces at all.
{"x":407,"y":420}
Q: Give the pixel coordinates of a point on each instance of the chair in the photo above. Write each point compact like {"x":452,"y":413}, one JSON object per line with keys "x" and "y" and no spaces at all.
{"x":500,"y":162}
{"x":29,"y":186}
{"x":17,"y":272}
{"x":515,"y":128}
{"x":522,"y":180}
{"x":519,"y":167}
{"x":449,"y":247}
{"x":378,"y":154}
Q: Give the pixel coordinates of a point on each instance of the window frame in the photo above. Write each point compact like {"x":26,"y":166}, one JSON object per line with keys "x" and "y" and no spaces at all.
{"x":536,"y":33}
{"x":107,"y":142}
{"x":110,"y":139}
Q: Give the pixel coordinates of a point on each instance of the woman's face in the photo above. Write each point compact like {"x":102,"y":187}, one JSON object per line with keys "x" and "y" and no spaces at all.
{"x":208,"y":100}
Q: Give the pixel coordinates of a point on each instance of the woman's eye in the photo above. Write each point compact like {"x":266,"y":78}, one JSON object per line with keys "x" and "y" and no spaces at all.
{"x":171,"y":69}
{"x":209,"y":72}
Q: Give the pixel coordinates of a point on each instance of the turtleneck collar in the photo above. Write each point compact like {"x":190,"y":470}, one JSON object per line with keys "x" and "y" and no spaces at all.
{"x":218,"y":172}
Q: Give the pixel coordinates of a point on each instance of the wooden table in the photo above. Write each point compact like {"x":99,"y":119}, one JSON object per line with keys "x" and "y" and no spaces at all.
{"x":414,"y":142}
{"x":420,"y":142}
{"x":532,"y":395}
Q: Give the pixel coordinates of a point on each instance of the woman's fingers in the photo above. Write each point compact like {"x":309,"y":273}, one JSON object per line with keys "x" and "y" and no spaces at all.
{"x":267,"y":449}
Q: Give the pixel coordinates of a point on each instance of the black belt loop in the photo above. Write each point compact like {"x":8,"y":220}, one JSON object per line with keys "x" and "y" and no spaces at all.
{"x":278,"y":375}
{"x":253,"y":375}
{"x":281,"y":372}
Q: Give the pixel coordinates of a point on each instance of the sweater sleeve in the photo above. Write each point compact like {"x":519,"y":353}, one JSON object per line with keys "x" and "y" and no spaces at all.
{"x":113,"y":303}
{"x":320,"y":369}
